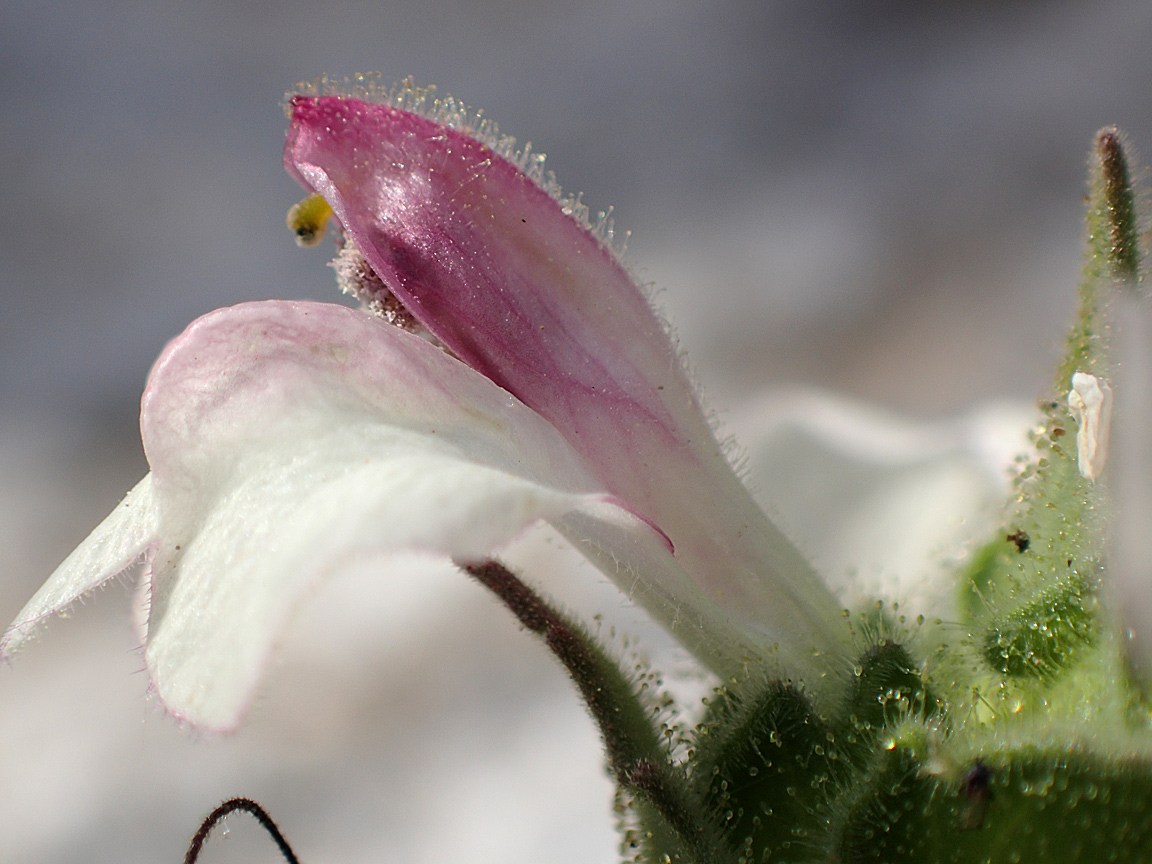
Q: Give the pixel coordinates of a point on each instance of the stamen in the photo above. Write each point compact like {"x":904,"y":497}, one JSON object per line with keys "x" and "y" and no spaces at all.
{"x":356,"y":277}
{"x":309,"y":220}
{"x":1091,"y":403}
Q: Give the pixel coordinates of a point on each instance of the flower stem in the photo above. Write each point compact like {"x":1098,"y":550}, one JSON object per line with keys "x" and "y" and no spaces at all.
{"x":637,"y":757}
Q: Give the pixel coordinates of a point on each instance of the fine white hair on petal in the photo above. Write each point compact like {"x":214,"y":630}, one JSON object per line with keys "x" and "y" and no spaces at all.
{"x":117,"y":543}
{"x":454,"y":114}
{"x":1090,"y":401}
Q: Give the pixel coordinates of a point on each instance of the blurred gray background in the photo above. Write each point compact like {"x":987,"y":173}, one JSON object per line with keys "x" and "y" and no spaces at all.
{"x":879,"y":198}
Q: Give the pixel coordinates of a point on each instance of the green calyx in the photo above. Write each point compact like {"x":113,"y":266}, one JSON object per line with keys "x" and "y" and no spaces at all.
{"x":777,"y":778}
{"x":1045,"y":636}
{"x":1045,"y":806}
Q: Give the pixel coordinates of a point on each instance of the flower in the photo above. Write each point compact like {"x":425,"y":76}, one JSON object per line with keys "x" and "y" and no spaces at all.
{"x":286,"y":438}
{"x":885,"y":507}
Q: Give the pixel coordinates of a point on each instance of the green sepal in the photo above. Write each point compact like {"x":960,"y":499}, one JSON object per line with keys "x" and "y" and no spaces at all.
{"x":1115,"y":207}
{"x":773,"y":773}
{"x":1047,"y":635}
{"x":1028,"y":597}
{"x":1055,"y":807}
{"x":766,"y":769}
{"x":887,"y":689}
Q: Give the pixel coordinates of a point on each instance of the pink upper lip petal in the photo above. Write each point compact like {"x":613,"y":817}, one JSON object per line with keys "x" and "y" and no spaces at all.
{"x":492,"y":265}
{"x":486,"y":260}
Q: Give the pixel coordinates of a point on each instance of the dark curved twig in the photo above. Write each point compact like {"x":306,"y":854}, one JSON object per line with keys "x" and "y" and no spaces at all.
{"x":230,"y":806}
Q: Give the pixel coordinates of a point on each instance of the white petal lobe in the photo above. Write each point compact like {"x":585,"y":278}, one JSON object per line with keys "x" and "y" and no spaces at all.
{"x":289,"y":519}
{"x":115,"y":545}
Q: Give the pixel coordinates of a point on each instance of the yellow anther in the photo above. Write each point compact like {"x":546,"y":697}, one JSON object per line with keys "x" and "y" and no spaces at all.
{"x":309,"y":220}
